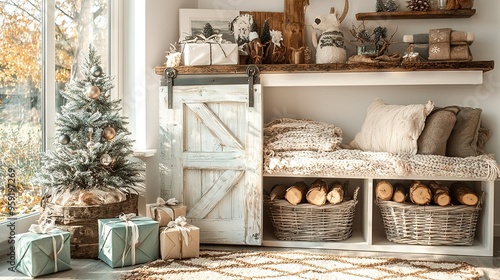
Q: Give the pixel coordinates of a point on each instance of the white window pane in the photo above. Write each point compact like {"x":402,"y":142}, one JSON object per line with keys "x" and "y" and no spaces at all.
{"x":20,"y":105}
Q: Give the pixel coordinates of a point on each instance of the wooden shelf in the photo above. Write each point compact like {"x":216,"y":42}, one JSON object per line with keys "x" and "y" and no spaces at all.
{"x":463,"y":13}
{"x":348,"y":67}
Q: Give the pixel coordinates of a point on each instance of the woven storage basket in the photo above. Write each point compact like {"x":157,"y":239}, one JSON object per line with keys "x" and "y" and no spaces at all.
{"x":307,"y":222}
{"x":429,"y":225}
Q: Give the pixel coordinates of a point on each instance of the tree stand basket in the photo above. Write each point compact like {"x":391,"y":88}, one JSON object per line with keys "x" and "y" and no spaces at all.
{"x":81,"y":222}
{"x":307,"y":222}
{"x":429,"y":225}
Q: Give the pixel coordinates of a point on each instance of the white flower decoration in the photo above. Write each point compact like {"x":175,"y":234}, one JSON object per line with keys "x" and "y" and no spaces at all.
{"x":435,"y":49}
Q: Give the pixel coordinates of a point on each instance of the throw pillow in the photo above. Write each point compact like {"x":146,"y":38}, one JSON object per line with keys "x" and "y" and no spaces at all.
{"x":437,"y":130}
{"x":392,"y":128}
{"x":464,"y":136}
{"x":483,"y":137}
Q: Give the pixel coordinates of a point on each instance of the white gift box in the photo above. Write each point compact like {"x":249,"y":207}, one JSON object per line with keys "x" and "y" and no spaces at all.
{"x":194,"y":54}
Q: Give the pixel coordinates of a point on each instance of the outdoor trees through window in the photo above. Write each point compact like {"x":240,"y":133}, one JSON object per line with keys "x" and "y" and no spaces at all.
{"x":76,"y":24}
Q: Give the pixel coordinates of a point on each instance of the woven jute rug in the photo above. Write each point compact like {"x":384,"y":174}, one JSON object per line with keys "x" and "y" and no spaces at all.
{"x":299,"y":265}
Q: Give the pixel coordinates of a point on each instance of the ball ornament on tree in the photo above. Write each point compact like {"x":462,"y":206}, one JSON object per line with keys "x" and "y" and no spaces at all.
{"x":106,"y":159}
{"x":64,"y":139}
{"x":96,"y":71}
{"x":109,"y":133}
{"x":93,"y":92}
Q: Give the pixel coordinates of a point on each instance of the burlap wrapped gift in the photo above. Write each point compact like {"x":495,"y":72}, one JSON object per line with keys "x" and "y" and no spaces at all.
{"x":165,"y":211}
{"x":179,"y":240}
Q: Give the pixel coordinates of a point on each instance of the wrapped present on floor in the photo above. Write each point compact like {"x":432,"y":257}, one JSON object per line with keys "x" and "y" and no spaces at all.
{"x":165,"y":211}
{"x":43,"y":250}
{"x":128,"y":240}
{"x":179,"y":240}
{"x":209,"y":51}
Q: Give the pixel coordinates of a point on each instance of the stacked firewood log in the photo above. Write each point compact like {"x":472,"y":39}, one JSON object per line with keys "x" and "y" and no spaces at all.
{"x":432,"y":193}
{"x":318,"y":193}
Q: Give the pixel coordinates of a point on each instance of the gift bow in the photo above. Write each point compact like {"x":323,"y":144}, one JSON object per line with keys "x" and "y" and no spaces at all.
{"x":170,"y":202}
{"x":134,"y":238}
{"x":44,"y":228}
{"x":200,"y":38}
{"x":180,"y":224}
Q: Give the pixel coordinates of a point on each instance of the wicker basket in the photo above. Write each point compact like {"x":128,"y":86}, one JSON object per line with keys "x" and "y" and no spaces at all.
{"x":429,"y":225}
{"x":307,"y":222}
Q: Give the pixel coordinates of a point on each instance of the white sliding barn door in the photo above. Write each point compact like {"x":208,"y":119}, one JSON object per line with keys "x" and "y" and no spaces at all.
{"x":211,"y":159}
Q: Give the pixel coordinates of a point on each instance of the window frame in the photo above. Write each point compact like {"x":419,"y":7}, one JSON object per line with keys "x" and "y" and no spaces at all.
{"x":48,"y":100}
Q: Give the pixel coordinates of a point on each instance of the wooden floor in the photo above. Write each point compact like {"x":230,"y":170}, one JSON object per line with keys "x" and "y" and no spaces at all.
{"x":95,"y":269}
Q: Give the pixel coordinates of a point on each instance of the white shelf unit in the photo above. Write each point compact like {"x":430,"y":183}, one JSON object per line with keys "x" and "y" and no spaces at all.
{"x":368,"y":229}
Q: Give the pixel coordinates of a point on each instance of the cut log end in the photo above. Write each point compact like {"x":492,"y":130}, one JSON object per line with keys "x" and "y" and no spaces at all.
{"x":336,"y":193}
{"x":400,"y":193}
{"x":384,"y":190}
{"x":278,"y":192}
{"x":441,"y":193}
{"x":420,"y":194}
{"x":464,"y":194}
{"x":296,"y":193}
{"x":317,"y":192}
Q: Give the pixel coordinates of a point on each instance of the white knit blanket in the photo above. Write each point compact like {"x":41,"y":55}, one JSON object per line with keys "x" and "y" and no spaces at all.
{"x":359,"y":163}
{"x":301,"y":135}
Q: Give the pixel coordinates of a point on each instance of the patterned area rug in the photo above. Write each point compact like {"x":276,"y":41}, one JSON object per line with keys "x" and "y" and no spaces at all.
{"x":299,"y":265}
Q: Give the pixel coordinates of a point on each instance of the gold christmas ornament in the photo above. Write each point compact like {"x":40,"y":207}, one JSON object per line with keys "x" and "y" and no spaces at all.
{"x":109,"y":133}
{"x":93,"y":92}
{"x":106,"y":159}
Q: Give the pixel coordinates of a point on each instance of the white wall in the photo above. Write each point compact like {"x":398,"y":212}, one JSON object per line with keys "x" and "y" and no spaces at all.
{"x":344,"y":106}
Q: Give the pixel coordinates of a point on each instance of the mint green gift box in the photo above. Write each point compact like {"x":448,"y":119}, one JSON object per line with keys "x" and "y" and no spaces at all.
{"x":40,"y":254}
{"x":116,"y":236}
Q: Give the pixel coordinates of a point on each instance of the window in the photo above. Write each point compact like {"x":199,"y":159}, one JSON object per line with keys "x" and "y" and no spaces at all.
{"x":42,"y":45}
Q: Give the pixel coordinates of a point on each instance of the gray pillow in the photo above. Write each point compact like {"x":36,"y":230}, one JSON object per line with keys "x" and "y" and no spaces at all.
{"x":437,"y":130}
{"x":463,"y":140}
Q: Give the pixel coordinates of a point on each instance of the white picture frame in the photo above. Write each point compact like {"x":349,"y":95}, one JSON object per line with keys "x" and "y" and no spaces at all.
{"x":192,"y":22}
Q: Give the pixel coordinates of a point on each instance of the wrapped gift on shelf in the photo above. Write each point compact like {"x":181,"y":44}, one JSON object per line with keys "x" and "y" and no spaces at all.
{"x":165,"y":211}
{"x":209,"y":51}
{"x":441,"y":44}
{"x":128,"y":240}
{"x":43,"y":250}
{"x":179,"y":240}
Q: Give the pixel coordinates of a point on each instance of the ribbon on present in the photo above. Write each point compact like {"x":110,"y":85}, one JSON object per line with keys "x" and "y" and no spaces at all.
{"x":161,"y":202}
{"x":180,"y":224}
{"x":201,"y":39}
{"x":45,"y":228}
{"x":134,"y":238}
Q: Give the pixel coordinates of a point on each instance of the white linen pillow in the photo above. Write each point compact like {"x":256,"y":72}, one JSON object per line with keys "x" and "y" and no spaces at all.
{"x":392,"y":128}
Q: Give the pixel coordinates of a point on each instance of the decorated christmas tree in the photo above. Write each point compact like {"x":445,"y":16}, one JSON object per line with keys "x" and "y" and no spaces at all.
{"x":92,"y":148}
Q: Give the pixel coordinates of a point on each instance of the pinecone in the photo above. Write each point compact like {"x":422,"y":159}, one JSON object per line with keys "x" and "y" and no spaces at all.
{"x":418,"y":5}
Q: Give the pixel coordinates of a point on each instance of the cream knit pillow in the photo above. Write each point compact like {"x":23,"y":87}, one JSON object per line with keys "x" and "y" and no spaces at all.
{"x":392,"y":128}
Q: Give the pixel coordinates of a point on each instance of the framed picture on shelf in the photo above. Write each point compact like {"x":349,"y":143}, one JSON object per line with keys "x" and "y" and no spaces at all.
{"x":192,"y":22}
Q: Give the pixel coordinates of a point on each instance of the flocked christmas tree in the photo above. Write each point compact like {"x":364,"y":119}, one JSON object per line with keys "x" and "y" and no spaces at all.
{"x":208,"y":30}
{"x":92,"y":149}
{"x":265,"y":35}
